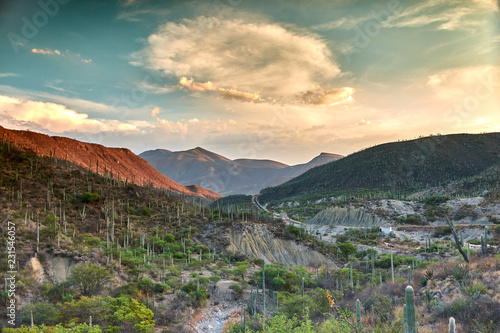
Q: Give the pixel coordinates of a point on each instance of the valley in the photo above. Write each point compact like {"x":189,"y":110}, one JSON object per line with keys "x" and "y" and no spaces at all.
{"x":89,"y":242}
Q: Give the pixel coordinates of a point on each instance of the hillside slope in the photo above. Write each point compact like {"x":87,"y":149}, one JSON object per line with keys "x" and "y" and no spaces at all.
{"x":220,"y":174}
{"x":120,"y":162}
{"x":398,"y":166}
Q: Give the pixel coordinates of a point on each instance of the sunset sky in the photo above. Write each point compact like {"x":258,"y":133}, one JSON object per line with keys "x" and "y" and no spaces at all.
{"x":282,"y":80}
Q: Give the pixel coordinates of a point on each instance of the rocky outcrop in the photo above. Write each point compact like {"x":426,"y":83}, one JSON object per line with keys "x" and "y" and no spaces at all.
{"x":350,"y":216}
{"x":256,"y":241}
{"x":35,"y":268}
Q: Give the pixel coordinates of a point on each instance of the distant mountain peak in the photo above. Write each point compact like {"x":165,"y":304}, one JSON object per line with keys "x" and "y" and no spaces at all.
{"x":218,"y":173}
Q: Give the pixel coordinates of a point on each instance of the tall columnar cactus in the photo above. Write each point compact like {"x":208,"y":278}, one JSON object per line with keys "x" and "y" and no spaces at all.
{"x":468,"y":251}
{"x":410,"y":310}
{"x":409,"y":275}
{"x":302,"y":288}
{"x":483,"y":250}
{"x":485,"y":240}
{"x":264,"y":291}
{"x":451,"y":326}
{"x":392,"y":268}
{"x":405,"y":321}
{"x":358,"y":315}
{"x":351,"y":280}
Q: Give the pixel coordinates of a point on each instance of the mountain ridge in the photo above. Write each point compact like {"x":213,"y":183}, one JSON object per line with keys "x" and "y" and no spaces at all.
{"x":396,"y":166}
{"x":121,"y":162}
{"x":225,"y":176}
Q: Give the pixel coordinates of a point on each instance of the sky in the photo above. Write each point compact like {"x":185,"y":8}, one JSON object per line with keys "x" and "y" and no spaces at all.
{"x":281,"y":80}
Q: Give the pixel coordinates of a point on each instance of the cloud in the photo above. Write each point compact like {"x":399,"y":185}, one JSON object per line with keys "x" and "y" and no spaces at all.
{"x":240,"y":95}
{"x":71,"y":102}
{"x":457,"y":84}
{"x":231,"y":93}
{"x":456,"y":15}
{"x":262,"y":58}
{"x":68,"y":53}
{"x":139,"y":15}
{"x":322,"y":97}
{"x":55,"y":118}
{"x":155,"y":112}
{"x":46,"y":51}
{"x":460,"y":15}
{"x":9,"y":75}
{"x":195,"y":86}
{"x":345,"y":23}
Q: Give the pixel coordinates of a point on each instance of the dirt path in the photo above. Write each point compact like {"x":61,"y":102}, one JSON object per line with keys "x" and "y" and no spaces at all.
{"x":214,"y":318}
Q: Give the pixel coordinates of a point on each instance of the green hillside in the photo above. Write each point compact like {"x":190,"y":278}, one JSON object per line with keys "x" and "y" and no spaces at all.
{"x":406,"y":166}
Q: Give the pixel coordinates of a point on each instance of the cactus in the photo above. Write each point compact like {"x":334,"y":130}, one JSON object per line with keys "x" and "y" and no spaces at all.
{"x":451,"y":326}
{"x":482,"y":245}
{"x":358,"y":315}
{"x":302,"y":288}
{"x":264,"y":291}
{"x":410,"y":310}
{"x":468,"y":251}
{"x":409,"y":275}
{"x":244,"y":321}
{"x":392,"y":267}
{"x":90,"y":321}
{"x":485,"y":240}
{"x":405,"y":322}
{"x":351,"y":280}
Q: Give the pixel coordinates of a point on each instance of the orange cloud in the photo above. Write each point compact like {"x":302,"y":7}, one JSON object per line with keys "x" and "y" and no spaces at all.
{"x":46,"y":51}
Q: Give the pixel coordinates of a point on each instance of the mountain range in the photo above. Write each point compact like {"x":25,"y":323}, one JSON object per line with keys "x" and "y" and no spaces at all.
{"x":120,"y":162}
{"x":222,"y":175}
{"x":405,"y":166}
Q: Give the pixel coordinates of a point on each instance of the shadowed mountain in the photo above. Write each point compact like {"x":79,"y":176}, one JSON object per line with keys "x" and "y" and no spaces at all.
{"x":406,"y":166}
{"x":222,"y":175}
{"x":121,"y":163}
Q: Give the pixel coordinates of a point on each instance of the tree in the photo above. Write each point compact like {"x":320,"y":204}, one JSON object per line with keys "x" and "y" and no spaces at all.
{"x":89,"y":278}
{"x":240,"y":270}
{"x":347,"y":249}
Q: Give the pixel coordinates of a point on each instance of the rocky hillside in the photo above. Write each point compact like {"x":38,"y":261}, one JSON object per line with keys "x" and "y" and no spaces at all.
{"x":222,"y":175}
{"x":256,"y":241}
{"x":121,"y":163}
{"x":397,"y":167}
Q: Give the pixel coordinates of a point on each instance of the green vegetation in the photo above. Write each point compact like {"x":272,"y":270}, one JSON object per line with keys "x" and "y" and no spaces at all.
{"x":398,"y":168}
{"x":168,"y":255}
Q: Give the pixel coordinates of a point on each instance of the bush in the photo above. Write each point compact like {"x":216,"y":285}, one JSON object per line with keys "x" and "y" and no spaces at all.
{"x":145,"y":211}
{"x":43,"y":313}
{"x":87,"y":197}
{"x":214,"y":278}
{"x":380,"y":306}
{"x":436,"y":200}
{"x":59,"y":293}
{"x":146,"y":285}
{"x":169,"y":238}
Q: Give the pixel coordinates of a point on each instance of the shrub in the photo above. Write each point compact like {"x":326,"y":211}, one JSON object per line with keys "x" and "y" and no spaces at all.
{"x":87,"y":197}
{"x":145,"y":211}
{"x":43,"y":313}
{"x":169,"y":238}
{"x":146,"y":285}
